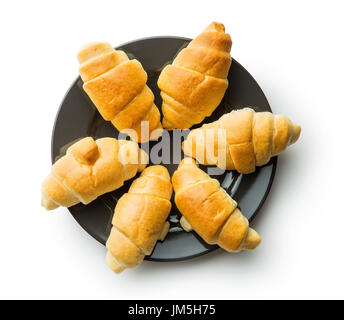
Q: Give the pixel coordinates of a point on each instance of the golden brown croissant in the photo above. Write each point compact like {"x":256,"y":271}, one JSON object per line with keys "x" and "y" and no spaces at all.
{"x":117,"y":87}
{"x":241,"y":140}
{"x":89,"y":169}
{"x":140,"y":219}
{"x":195,"y":83}
{"x":209,"y":210}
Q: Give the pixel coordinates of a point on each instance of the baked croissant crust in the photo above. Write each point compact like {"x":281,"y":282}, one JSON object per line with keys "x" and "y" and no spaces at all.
{"x":140,"y":219}
{"x":195,"y":83}
{"x":89,"y":169}
{"x":241,"y":140}
{"x":117,"y":87}
{"x":210,"y":211}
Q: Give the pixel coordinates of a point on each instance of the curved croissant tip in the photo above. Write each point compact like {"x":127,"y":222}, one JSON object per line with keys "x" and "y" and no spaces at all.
{"x":167,"y":125}
{"x":252,"y":240}
{"x":156,"y":170}
{"x":188,"y":161}
{"x":92,"y":49}
{"x":113,"y":264}
{"x":47,"y":204}
{"x":296,"y":133}
{"x":215,"y":26}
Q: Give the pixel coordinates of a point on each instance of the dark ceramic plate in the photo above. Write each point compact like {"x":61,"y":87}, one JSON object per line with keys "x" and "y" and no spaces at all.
{"x":78,"y":118}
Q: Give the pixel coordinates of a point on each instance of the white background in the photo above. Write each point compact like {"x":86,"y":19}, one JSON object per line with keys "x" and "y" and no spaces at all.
{"x":294,"y":50}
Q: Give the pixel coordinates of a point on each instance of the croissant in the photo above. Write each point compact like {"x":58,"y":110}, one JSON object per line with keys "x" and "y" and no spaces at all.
{"x":117,"y":87}
{"x":89,"y":169}
{"x":241,"y":140}
{"x":209,"y":210}
{"x":195,"y":83}
{"x":140,"y":219}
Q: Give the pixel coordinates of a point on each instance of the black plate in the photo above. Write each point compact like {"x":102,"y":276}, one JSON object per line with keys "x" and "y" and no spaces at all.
{"x":77,"y":118}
